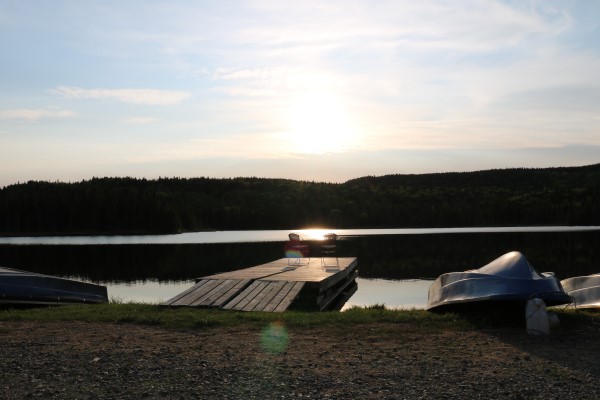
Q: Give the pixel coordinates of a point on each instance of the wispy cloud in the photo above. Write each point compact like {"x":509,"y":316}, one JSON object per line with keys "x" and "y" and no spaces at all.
{"x":133,"y":96}
{"x":264,"y":146}
{"x":34,"y":114}
{"x":471,"y":26}
{"x":140,"y":120}
{"x":256,"y":80}
{"x":264,"y":74}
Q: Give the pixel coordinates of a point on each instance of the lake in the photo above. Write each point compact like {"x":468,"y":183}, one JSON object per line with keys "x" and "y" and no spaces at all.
{"x":396,"y":266}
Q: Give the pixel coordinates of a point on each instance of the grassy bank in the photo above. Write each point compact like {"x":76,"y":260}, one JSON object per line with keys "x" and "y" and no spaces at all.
{"x":193,"y":318}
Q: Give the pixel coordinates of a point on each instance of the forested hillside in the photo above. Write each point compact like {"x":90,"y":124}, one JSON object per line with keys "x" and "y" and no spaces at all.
{"x":551,"y":196}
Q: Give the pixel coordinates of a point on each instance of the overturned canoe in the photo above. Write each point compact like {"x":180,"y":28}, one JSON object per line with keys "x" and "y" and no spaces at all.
{"x":508,"y":279}
{"x":28,"y":288}
{"x":585,"y":290}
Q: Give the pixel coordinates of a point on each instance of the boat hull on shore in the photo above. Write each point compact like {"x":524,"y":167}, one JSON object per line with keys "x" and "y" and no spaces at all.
{"x":507,"y":281}
{"x":585,"y":291}
{"x":28,"y":288}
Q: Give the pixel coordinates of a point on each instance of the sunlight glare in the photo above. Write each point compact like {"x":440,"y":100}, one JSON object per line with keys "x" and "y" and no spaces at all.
{"x":319,"y":123}
{"x":314,"y":234}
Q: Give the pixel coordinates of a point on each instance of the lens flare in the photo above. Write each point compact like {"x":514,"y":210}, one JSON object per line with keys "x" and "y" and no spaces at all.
{"x":274,"y":338}
{"x":293,"y":254}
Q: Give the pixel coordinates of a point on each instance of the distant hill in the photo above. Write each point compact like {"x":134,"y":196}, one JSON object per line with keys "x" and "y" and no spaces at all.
{"x":521,"y":178}
{"x":502,"y":197}
{"x":506,"y":197}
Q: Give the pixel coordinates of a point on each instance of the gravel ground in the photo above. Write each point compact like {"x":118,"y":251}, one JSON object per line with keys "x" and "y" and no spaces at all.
{"x":77,"y":360}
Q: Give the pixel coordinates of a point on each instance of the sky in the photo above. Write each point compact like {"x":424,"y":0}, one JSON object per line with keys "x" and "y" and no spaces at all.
{"x":309,"y":90}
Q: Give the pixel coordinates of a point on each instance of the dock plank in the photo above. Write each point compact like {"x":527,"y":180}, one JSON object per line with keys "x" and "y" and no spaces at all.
{"x":196,"y":294}
{"x":278,"y":299}
{"x":231,"y":293}
{"x":270,"y":287}
{"x":311,"y":270}
{"x":258,"y":298}
{"x":257,"y":272}
{"x":275,"y":288}
{"x":264,"y":296}
{"x":287,"y":286}
{"x":214,"y":293}
{"x":218,"y":292}
{"x":185,"y":292}
{"x":289,"y":298}
{"x":231,"y":305}
{"x":260,"y":285}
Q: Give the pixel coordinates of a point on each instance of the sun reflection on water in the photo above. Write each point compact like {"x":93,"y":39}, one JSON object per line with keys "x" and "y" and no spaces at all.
{"x":314,"y":233}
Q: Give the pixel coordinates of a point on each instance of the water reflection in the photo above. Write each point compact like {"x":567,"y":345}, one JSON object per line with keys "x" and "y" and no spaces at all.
{"x":148,"y":291}
{"x":130,"y":263}
{"x":393,"y":257}
{"x":155,"y":272}
{"x":270,"y":235}
{"x":404,"y":294}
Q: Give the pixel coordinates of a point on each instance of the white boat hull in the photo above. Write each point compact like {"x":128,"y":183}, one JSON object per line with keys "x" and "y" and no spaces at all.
{"x":507,"y":279}
{"x":585,"y":291}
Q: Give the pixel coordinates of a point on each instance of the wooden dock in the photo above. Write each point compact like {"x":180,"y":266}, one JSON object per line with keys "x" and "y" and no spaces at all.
{"x":307,"y":284}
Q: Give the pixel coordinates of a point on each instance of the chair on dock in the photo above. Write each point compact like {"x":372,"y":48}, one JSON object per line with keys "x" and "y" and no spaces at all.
{"x":296,"y":250}
{"x":329,"y":248}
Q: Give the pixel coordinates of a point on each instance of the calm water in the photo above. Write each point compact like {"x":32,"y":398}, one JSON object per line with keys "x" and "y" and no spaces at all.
{"x":269,"y":236}
{"x":394,"y":294}
{"x":396,"y":266}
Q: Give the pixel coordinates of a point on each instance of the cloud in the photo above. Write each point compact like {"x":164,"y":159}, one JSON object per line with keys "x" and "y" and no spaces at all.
{"x":255,"y":82}
{"x":34,"y":114}
{"x":559,"y":99}
{"x":133,"y":96}
{"x":264,"y":74}
{"x":140,"y":120}
{"x":263,"y":145}
{"x":469,"y":26}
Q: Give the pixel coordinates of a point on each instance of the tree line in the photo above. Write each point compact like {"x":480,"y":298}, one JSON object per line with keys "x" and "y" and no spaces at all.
{"x":502,"y":197}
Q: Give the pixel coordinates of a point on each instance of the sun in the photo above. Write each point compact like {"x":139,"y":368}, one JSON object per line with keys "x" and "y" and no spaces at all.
{"x":318,"y":122}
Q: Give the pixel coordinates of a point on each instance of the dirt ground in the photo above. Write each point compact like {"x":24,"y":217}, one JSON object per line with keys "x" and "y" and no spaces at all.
{"x":67,"y":360}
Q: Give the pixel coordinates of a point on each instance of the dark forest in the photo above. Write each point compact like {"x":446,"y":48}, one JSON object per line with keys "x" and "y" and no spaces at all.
{"x":504,"y":197}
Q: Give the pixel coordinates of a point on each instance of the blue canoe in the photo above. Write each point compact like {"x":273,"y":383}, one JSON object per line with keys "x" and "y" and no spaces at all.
{"x":508,"y":280}
{"x":28,"y":288}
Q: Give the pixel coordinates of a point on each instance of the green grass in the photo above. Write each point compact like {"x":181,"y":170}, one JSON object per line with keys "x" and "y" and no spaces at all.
{"x":195,"y":318}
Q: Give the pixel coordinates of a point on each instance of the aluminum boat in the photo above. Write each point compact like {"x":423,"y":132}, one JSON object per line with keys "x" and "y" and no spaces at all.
{"x":29,"y":288}
{"x":585,"y":291}
{"x":508,"y":280}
